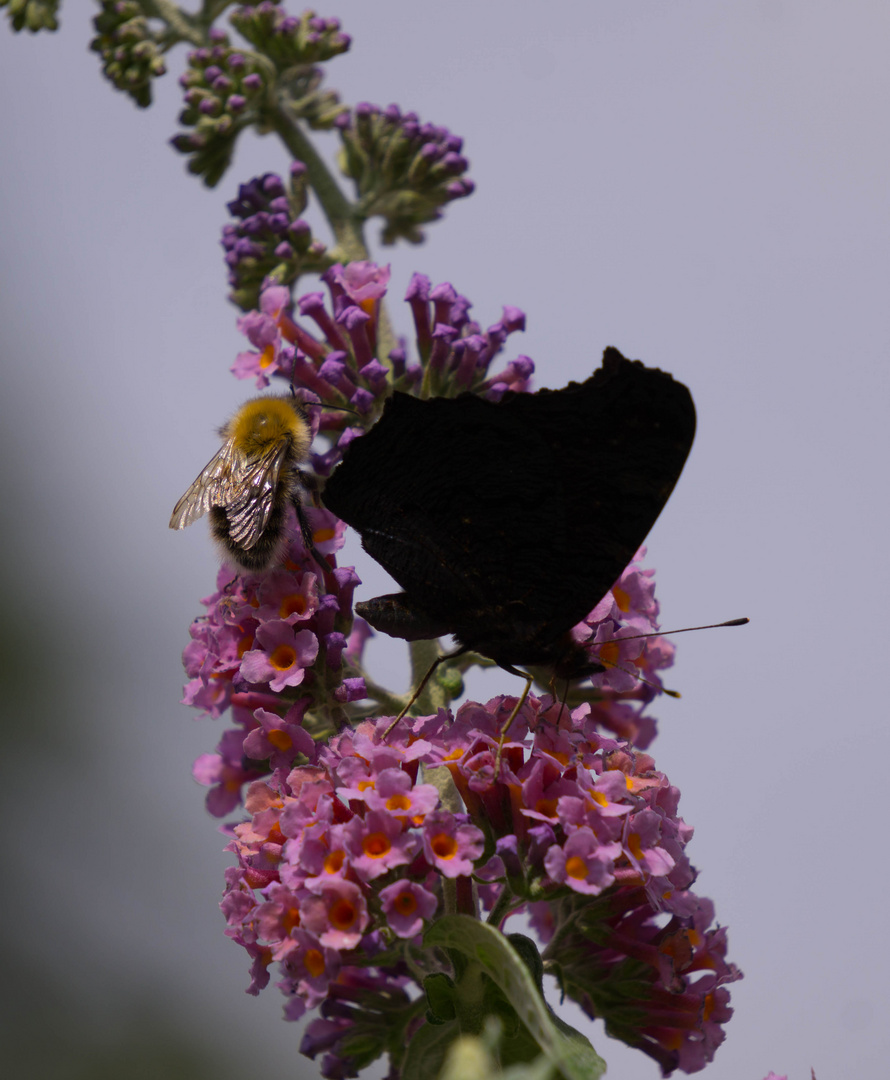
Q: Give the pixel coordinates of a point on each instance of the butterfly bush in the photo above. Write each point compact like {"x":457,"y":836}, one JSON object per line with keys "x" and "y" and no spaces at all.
{"x":357,"y":837}
{"x":389,"y":869}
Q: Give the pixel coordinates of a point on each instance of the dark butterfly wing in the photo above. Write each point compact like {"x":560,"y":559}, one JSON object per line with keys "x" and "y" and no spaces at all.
{"x":506,"y":522}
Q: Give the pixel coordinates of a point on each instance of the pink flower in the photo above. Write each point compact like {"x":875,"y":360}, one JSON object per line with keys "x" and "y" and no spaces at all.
{"x":283,"y":658}
{"x":406,"y":905}
{"x":335,"y":911}
{"x":450,"y":846}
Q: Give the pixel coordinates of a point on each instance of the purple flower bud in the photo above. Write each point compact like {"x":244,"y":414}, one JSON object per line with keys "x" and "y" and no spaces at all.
{"x":362,"y":400}
{"x":458,"y":189}
{"x":513,"y":319}
{"x":397,"y":358}
{"x":454,"y":163}
{"x":254,"y":225}
{"x":247,"y":249}
{"x":299,"y":230}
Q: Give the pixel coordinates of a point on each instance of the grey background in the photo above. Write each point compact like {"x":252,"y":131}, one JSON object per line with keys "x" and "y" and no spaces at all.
{"x":703,"y":185}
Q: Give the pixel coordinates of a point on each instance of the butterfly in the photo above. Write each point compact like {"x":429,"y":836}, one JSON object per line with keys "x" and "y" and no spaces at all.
{"x":506,"y":522}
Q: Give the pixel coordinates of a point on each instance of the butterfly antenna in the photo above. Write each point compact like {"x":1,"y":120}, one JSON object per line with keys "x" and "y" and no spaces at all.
{"x":324,"y":405}
{"x":683,"y":630}
{"x":340,"y":408}
{"x":661,"y":633}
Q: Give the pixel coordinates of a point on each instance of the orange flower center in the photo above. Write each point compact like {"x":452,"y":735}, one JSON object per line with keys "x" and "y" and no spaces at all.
{"x":444,"y":846}
{"x":292,"y":605}
{"x":280,"y":739}
{"x":334,"y":862}
{"x":376,"y":845}
{"x":406,"y":903}
{"x":313,"y":961}
{"x":284,"y":657}
{"x":398,"y":802}
{"x":576,"y":868}
{"x":608,"y":652}
{"x":342,"y":914}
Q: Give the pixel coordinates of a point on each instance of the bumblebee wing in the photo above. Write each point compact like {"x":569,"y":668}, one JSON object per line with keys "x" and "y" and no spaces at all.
{"x":210,"y":487}
{"x":250,"y":504}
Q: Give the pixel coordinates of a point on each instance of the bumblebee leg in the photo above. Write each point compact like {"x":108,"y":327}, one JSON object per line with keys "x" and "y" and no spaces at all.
{"x":308,"y":541}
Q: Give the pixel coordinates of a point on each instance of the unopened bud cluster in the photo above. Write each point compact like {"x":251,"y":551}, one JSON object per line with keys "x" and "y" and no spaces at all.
{"x":270,"y":241}
{"x":223,"y":87}
{"x":130,"y":54}
{"x":290,"y":40}
{"x":32,"y":15}
{"x":404,"y":171}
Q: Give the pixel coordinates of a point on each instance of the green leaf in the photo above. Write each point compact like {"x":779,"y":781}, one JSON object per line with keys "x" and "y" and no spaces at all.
{"x":427,"y":1050}
{"x":565,"y":1049}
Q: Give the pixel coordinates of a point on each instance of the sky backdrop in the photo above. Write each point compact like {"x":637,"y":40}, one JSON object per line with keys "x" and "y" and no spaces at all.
{"x":703,"y":185}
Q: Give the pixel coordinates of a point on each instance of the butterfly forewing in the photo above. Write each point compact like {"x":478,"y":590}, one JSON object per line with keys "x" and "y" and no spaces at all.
{"x":508,"y":521}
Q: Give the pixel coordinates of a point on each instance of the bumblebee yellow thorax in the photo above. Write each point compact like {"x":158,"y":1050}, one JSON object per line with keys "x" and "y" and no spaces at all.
{"x":267,"y":421}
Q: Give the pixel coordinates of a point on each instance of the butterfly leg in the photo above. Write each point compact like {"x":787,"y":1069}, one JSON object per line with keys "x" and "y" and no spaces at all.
{"x":529,"y":679}
{"x":420,"y":686}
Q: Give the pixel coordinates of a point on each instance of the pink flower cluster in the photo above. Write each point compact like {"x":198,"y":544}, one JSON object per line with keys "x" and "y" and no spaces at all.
{"x":273,"y":647}
{"x":342,"y":858}
{"x":358,"y":837}
{"x":339,"y":363}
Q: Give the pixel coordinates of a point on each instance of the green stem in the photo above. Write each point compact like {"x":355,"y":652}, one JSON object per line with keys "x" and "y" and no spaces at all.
{"x":500,"y":910}
{"x":387,"y":339}
{"x":210,"y":9}
{"x":423,"y":655}
{"x":390,"y":702}
{"x":181,"y":23}
{"x":345,"y":224}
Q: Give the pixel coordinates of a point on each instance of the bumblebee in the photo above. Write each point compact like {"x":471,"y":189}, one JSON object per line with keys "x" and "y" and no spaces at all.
{"x":248,"y":484}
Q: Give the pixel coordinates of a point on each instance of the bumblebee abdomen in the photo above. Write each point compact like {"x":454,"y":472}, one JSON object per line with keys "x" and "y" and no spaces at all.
{"x":266,"y":551}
